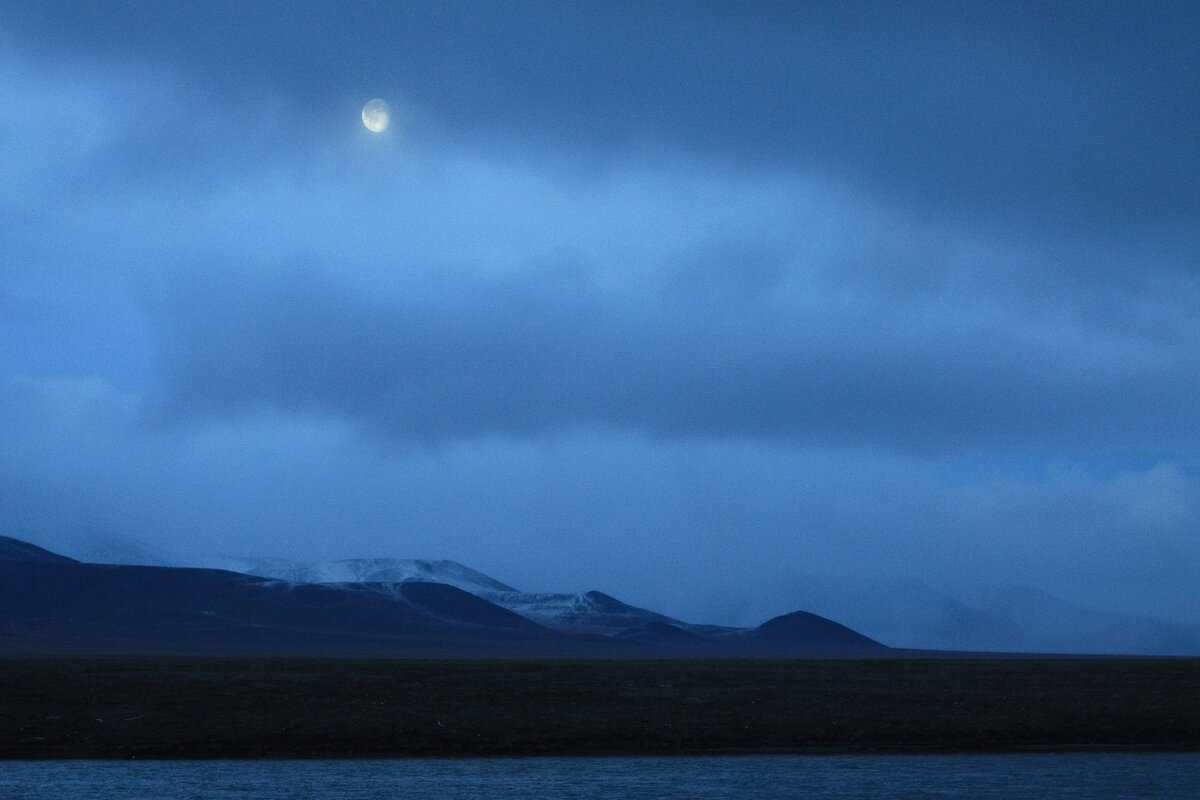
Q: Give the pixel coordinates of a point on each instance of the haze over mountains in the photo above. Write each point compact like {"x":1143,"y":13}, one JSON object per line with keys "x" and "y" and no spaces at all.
{"x":901,"y":613}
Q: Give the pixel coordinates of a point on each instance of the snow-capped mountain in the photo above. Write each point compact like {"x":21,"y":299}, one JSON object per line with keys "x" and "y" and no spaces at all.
{"x":590,"y":612}
{"x":364,"y":570}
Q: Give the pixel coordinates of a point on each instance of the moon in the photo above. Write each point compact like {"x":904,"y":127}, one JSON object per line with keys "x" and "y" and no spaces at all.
{"x":375,"y":115}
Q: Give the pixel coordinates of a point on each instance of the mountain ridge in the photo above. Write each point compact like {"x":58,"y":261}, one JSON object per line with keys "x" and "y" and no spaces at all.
{"x":51,"y":604}
{"x":904,"y":612}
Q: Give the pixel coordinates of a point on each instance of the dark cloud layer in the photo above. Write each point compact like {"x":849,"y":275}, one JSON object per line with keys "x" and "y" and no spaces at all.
{"x":1061,"y":113}
{"x":546,"y":353}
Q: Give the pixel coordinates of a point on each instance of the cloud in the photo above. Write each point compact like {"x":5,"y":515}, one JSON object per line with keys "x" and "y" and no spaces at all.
{"x":642,"y":299}
{"x":545,"y":352}
{"x":724,"y":531}
{"x":1047,"y":116}
{"x":432,"y":294}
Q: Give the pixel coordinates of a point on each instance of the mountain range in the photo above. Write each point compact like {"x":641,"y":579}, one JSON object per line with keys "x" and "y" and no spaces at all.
{"x":53,"y":604}
{"x":906,"y":614}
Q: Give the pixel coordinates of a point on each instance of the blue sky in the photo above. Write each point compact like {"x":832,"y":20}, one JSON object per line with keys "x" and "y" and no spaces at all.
{"x":684,"y":301}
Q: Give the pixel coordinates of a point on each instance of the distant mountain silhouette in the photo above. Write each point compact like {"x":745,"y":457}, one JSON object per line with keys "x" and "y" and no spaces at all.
{"x":70,"y":607}
{"x":905,"y":613}
{"x":803,"y":627}
{"x":1016,"y":619}
{"x":97,"y":546}
{"x":1040,"y":619}
{"x":16,"y":550}
{"x":53,"y":604}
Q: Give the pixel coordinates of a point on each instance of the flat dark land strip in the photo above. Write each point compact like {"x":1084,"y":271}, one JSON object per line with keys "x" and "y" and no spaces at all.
{"x":235,"y":708}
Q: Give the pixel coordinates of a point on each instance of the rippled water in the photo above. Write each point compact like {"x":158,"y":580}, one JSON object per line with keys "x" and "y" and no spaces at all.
{"x":1106,"y":776}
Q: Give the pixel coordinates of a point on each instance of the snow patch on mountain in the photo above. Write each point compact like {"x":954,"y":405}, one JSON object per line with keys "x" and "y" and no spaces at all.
{"x":591,"y":612}
{"x":364,"y":570}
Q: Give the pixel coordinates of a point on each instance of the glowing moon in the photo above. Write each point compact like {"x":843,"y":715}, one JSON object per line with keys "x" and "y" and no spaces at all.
{"x":376,"y":115}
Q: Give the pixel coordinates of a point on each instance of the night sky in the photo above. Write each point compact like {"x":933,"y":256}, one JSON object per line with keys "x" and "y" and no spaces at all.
{"x":700,"y":304}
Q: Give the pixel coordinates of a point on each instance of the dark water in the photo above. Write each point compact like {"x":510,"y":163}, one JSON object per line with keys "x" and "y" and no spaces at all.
{"x":976,"y":777}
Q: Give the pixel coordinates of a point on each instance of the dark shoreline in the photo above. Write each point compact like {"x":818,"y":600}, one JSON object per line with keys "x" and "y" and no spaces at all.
{"x":1015,"y":750}
{"x":173,"y":708}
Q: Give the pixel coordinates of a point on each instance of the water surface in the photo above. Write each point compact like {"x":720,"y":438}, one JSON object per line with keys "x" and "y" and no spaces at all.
{"x":1105,"y":776}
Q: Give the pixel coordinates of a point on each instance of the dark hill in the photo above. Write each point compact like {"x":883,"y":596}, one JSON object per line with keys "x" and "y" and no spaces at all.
{"x":90,"y":608}
{"x":16,"y":550}
{"x":455,"y":605}
{"x":802,"y":633}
